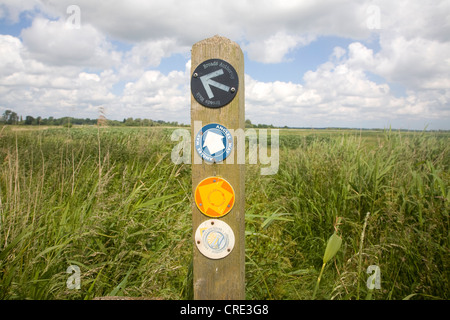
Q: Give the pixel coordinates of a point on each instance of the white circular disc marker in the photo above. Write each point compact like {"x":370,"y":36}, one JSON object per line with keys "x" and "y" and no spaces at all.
{"x":214,"y":239}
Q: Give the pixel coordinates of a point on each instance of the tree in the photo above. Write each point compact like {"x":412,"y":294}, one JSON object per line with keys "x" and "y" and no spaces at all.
{"x":29,"y":120}
{"x":248,"y":123}
{"x":129,"y":122}
{"x":6,"y":115}
{"x":10,"y":117}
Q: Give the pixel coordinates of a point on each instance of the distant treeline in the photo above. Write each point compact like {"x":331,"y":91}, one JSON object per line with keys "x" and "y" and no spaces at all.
{"x":249,"y":124}
{"x":11,"y":117}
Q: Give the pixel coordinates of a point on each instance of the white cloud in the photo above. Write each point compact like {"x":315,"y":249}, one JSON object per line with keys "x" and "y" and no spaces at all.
{"x":276,"y":27}
{"x":11,"y":9}
{"x":417,"y":63}
{"x":416,"y":19}
{"x":10,"y":52}
{"x":52,"y":42}
{"x":157,"y":96}
{"x":35,"y":88}
{"x":340,"y":90}
{"x":147,"y":54}
{"x":51,"y":68}
{"x":46,"y":88}
{"x":275,"y":48}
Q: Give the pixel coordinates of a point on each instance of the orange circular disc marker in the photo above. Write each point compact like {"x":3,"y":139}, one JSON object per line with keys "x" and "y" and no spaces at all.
{"x":214,"y":197}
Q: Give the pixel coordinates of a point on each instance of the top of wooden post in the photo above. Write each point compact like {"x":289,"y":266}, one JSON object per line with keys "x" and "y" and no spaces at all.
{"x":217,"y":40}
{"x":214,"y":47}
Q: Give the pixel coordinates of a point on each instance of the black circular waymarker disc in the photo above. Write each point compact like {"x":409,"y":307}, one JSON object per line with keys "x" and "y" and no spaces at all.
{"x":214,"y":83}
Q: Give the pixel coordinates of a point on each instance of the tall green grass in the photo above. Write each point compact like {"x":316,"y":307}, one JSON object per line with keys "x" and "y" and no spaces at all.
{"x":401,"y":178}
{"x":110,"y":201}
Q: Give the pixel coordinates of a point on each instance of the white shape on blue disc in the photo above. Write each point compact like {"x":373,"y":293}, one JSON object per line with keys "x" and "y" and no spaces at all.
{"x":214,"y":142}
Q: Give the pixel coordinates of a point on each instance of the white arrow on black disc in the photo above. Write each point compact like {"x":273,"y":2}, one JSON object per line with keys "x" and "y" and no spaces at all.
{"x":207,"y":83}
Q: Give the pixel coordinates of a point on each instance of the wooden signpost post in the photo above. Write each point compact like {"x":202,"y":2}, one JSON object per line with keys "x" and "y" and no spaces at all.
{"x":218,"y":185}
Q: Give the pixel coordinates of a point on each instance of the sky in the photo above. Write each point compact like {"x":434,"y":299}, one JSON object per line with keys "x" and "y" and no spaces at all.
{"x":308,"y":63}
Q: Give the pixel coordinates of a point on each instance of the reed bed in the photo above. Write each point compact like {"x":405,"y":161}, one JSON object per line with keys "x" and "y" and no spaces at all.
{"x":110,"y":201}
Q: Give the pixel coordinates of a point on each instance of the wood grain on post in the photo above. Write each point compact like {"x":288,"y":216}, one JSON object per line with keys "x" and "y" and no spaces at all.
{"x":220,"y":279}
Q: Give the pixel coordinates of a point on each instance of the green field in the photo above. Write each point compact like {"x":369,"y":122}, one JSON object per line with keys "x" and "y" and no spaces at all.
{"x":110,"y":201}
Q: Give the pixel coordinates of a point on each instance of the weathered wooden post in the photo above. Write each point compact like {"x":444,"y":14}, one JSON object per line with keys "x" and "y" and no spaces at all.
{"x":218,"y":185}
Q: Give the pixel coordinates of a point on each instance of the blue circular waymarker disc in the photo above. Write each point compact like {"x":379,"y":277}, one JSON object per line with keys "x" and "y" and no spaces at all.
{"x":214,"y":142}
